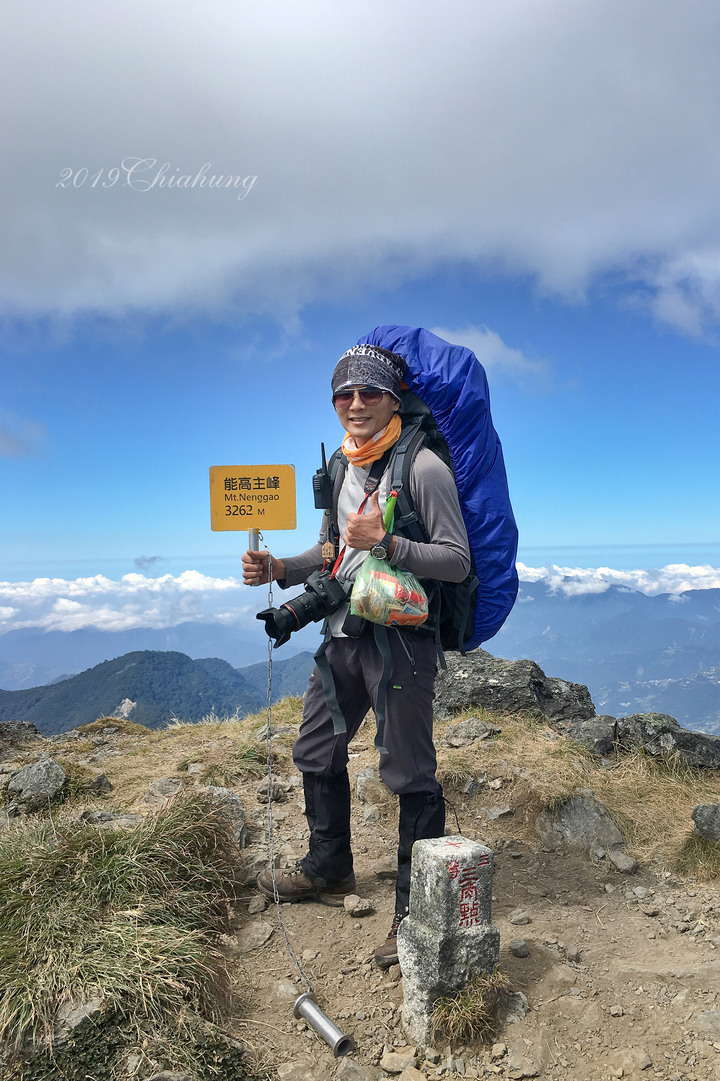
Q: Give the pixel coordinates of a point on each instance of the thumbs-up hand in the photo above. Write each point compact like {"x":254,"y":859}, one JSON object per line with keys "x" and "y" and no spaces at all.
{"x":365,"y":530}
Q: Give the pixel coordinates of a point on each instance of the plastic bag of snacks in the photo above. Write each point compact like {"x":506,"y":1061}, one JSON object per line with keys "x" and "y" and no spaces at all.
{"x":387,"y":595}
{"x":384,"y":594}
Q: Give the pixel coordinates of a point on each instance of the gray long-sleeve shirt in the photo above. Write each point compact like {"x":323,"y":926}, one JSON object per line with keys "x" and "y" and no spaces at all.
{"x":445,"y":557}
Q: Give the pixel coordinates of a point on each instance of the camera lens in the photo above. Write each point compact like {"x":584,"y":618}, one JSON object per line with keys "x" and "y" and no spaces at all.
{"x":323,"y":596}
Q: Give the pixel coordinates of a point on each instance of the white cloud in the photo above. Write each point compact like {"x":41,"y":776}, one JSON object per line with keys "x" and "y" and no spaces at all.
{"x":130,"y":602}
{"x":134,"y":601}
{"x":675,"y":578}
{"x":555,"y":140}
{"x":496,"y":357}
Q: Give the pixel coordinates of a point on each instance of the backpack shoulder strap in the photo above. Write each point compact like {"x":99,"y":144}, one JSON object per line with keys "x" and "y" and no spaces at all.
{"x":407,"y":521}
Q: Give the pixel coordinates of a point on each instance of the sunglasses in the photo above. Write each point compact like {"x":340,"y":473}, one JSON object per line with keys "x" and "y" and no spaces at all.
{"x":368,"y":396}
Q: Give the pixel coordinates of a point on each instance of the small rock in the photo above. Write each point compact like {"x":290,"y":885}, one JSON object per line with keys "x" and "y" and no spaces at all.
{"x":271,"y":792}
{"x":371,"y":813}
{"x":499,"y":812}
{"x":498,"y":1051}
{"x":164,"y":788}
{"x":255,"y":934}
{"x":398,"y":1060}
{"x":706,"y":1022}
{"x":519,"y":917}
{"x":286,"y":990}
{"x":515,"y":1007}
{"x":113,"y":819}
{"x":467,"y":731}
{"x":357,"y":906}
{"x":369,"y":788}
{"x":385,"y":868}
{"x":411,"y":1073}
{"x":256,"y":905}
{"x":641,"y":891}
{"x":262,"y":734}
{"x":616,"y":1011}
{"x":472,"y":785}
{"x":352,"y":1070}
{"x":495,"y":784}
{"x":573,"y":954}
{"x":172,"y":1075}
{"x":518,"y":948}
{"x":301,"y":1068}
{"x":650,"y":910}
{"x":630,"y":1059}
{"x":706,"y":817}
{"x":518,"y":1066}
{"x":624,"y":863}
{"x":99,"y":784}
{"x":432,"y":1055}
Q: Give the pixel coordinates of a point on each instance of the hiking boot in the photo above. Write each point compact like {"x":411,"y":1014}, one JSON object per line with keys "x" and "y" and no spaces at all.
{"x":387,"y":954}
{"x":296,"y":886}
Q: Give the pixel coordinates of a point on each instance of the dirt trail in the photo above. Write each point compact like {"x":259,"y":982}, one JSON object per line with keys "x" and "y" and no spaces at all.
{"x":622,"y":975}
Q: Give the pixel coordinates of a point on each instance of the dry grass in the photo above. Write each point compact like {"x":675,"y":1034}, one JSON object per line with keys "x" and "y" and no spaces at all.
{"x":473,"y":1013}
{"x":699,"y":859}
{"x":228,"y":748}
{"x":127,"y":728}
{"x":649,"y":799}
{"x":131,"y":915}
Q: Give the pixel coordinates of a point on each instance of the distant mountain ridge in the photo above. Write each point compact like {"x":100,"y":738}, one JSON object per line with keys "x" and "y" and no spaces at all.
{"x":162,"y":684}
{"x":32,"y":657}
{"x":635,"y":653}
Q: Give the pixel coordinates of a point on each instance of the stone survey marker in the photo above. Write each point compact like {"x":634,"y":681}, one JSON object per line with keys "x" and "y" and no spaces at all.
{"x":447,"y":939}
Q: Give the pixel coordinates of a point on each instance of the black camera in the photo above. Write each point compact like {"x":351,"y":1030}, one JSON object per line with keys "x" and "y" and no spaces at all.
{"x":323,"y":596}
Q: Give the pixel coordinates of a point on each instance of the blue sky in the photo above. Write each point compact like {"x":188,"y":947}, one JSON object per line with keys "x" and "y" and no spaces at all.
{"x":536,"y":181}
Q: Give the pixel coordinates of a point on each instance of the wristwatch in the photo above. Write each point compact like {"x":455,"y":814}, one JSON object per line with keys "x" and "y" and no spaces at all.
{"x":380,"y":550}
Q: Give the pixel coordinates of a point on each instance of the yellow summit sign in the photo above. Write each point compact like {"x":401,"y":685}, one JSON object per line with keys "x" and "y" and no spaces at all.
{"x":252,"y":497}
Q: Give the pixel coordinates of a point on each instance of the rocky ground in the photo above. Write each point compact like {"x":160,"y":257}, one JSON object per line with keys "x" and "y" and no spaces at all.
{"x":621,"y":972}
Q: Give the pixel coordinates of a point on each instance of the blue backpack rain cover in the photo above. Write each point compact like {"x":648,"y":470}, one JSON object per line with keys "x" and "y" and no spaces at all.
{"x":451,"y":382}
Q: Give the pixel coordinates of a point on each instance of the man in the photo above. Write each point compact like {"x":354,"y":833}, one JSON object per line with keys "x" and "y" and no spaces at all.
{"x":366,"y":387}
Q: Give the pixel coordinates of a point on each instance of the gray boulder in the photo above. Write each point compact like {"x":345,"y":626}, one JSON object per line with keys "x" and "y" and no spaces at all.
{"x":72,"y":1014}
{"x":465,"y":732}
{"x":657,"y":734}
{"x":599,"y":734}
{"x":478,"y":679}
{"x":706,"y":817}
{"x":580,"y":824}
{"x":660,"y":735}
{"x":14,"y":733}
{"x":37,"y":785}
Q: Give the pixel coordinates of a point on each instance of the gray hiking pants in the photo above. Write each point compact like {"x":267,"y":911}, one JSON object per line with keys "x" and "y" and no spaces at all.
{"x":356,"y":663}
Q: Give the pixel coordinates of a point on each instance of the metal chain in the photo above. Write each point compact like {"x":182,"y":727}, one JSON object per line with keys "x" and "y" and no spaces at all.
{"x":268,"y":738}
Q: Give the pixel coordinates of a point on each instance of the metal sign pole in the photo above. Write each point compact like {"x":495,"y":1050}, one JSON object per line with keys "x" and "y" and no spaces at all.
{"x":254,"y":545}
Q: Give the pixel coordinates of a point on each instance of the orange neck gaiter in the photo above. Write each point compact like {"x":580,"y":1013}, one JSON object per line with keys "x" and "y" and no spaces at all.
{"x":375,"y":447}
